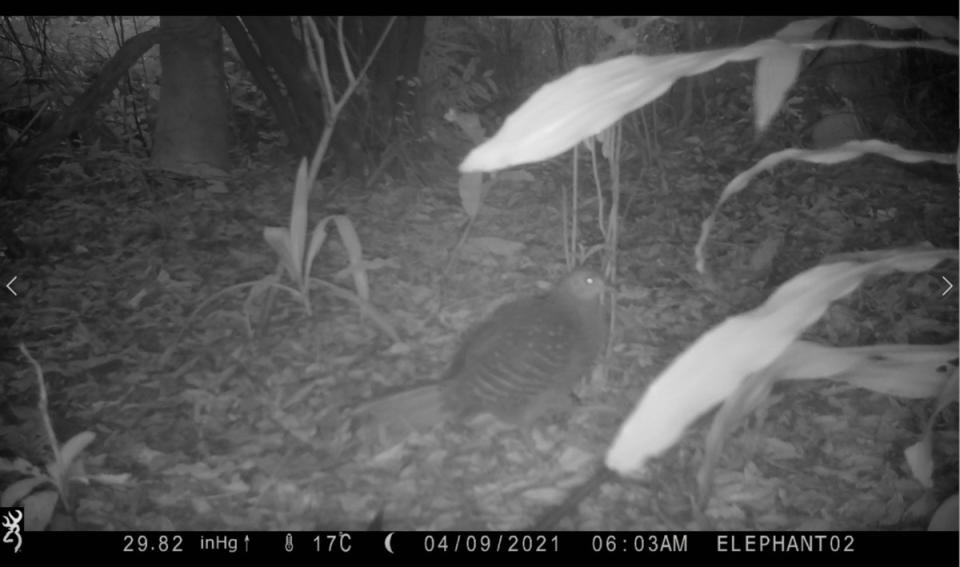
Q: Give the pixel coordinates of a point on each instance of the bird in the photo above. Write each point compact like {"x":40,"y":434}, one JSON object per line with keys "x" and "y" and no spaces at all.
{"x":518,"y":364}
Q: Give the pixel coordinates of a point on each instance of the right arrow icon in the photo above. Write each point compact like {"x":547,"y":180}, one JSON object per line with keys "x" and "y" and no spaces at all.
{"x":949,"y":286}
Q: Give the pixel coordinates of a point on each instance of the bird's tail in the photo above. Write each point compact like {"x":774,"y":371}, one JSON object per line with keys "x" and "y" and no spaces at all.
{"x":410,"y":411}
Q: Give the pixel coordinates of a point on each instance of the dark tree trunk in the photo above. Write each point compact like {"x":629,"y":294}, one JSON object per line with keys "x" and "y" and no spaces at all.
{"x":259,"y":67}
{"x":390,"y":101}
{"x":408,"y":36}
{"x":284,"y":53}
{"x":273,"y":50}
{"x":192,"y":133}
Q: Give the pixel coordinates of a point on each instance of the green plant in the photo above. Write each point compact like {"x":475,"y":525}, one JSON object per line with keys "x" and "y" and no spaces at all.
{"x":59,"y":472}
{"x":296,"y":254}
{"x":588,"y":102}
{"x":737,"y":361}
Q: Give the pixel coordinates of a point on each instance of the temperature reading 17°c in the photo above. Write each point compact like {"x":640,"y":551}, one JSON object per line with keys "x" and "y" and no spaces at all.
{"x":333,"y":543}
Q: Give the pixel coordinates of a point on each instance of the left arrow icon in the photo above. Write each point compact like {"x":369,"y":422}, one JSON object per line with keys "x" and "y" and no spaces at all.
{"x":10,"y":283}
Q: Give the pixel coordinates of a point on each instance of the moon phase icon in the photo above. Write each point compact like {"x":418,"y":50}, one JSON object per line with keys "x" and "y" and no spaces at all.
{"x":388,"y":542}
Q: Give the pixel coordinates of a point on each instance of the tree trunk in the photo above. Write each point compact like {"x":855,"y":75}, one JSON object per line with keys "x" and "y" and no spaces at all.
{"x":284,"y":55}
{"x":192,"y":134}
{"x":299,"y":141}
{"x":403,"y":94}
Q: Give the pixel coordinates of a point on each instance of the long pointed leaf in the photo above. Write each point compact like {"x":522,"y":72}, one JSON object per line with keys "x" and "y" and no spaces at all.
{"x":74,"y":446}
{"x":714,"y":366}
{"x":776,"y":72}
{"x":279,"y":239}
{"x":298,"y":219}
{"x":20,"y":489}
{"x":355,"y":253}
